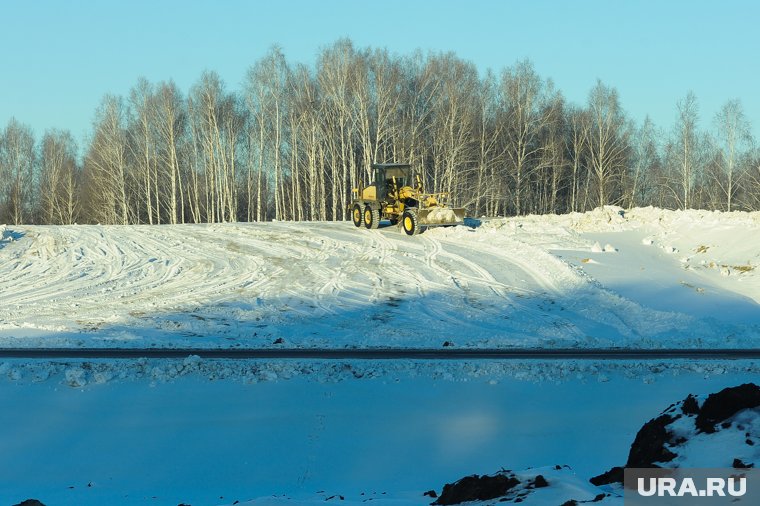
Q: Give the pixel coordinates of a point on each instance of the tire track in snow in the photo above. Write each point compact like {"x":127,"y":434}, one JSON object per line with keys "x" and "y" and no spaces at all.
{"x":328,"y":279}
{"x":141,"y":273}
{"x":386,"y":262}
{"x":371,"y":260}
{"x":51,"y":275}
{"x":481,"y":284}
{"x":481,"y":276}
{"x":83,"y":277}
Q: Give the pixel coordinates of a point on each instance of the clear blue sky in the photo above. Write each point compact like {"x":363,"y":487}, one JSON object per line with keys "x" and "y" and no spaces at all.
{"x":59,"y":58}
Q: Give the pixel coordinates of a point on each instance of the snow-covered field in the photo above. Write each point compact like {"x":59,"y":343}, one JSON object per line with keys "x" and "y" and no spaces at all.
{"x":288,"y":432}
{"x":642,"y":278}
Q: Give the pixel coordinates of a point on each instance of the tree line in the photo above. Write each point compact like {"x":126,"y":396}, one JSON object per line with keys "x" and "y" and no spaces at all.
{"x":295,"y":139}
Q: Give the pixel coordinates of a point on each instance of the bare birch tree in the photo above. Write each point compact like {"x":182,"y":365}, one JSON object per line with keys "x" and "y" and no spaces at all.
{"x":216,"y":128}
{"x":266,"y":103}
{"x":17,"y":178}
{"x":577,"y":143}
{"x":645,"y":157}
{"x":142,"y":150}
{"x":59,"y":179}
{"x":105,"y":167}
{"x":171,"y":126}
{"x":608,"y":143}
{"x":734,"y":134}
{"x":453,"y":120}
{"x":684,"y":152}
{"x":522,"y":92}
{"x":336,"y":81}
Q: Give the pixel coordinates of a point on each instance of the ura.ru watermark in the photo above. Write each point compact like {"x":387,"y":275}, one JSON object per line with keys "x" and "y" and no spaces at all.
{"x":691,"y":486}
{"x":712,"y":487}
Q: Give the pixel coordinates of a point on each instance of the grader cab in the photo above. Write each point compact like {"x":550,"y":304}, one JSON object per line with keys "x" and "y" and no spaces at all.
{"x":397,"y":195}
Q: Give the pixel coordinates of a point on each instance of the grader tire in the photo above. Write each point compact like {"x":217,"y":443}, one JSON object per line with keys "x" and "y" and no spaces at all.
{"x":356,"y":215}
{"x":410,"y":223}
{"x":371,"y":217}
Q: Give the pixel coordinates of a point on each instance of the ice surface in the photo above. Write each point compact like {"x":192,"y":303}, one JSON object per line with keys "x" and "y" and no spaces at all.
{"x":214,"y":432}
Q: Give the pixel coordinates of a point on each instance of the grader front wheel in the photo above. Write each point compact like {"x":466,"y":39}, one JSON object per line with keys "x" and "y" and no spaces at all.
{"x":410,"y":223}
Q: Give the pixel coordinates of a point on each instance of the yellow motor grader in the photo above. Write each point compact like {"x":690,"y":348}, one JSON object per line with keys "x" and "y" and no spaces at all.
{"x":397,"y":195}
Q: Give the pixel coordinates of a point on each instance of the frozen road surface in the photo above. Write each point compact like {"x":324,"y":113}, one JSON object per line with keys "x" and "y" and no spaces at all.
{"x":360,"y":431}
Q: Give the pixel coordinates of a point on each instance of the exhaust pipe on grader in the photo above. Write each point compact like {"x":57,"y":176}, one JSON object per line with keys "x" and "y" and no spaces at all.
{"x":397,"y":195}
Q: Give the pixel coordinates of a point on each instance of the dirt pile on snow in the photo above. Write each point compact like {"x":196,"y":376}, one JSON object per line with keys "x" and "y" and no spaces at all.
{"x":478,"y":488}
{"x":723,"y":405}
{"x":687,"y":433}
{"x":546,"y":485}
{"x":650,"y":445}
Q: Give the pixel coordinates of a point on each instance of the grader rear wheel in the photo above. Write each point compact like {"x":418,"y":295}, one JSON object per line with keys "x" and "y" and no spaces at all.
{"x":356,"y":215}
{"x":371,"y":217}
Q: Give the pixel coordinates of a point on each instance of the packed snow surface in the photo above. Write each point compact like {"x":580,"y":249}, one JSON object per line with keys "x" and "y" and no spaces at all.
{"x":644,"y":277}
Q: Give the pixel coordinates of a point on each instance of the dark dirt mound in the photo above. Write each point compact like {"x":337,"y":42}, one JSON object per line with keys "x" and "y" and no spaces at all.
{"x":614,"y":475}
{"x":477,"y":488}
{"x":725,"y":404}
{"x":690,"y":406}
{"x":654,"y":442}
{"x":649,"y":445}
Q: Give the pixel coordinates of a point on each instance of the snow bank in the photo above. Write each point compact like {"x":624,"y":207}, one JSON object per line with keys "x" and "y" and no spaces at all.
{"x":82,"y":373}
